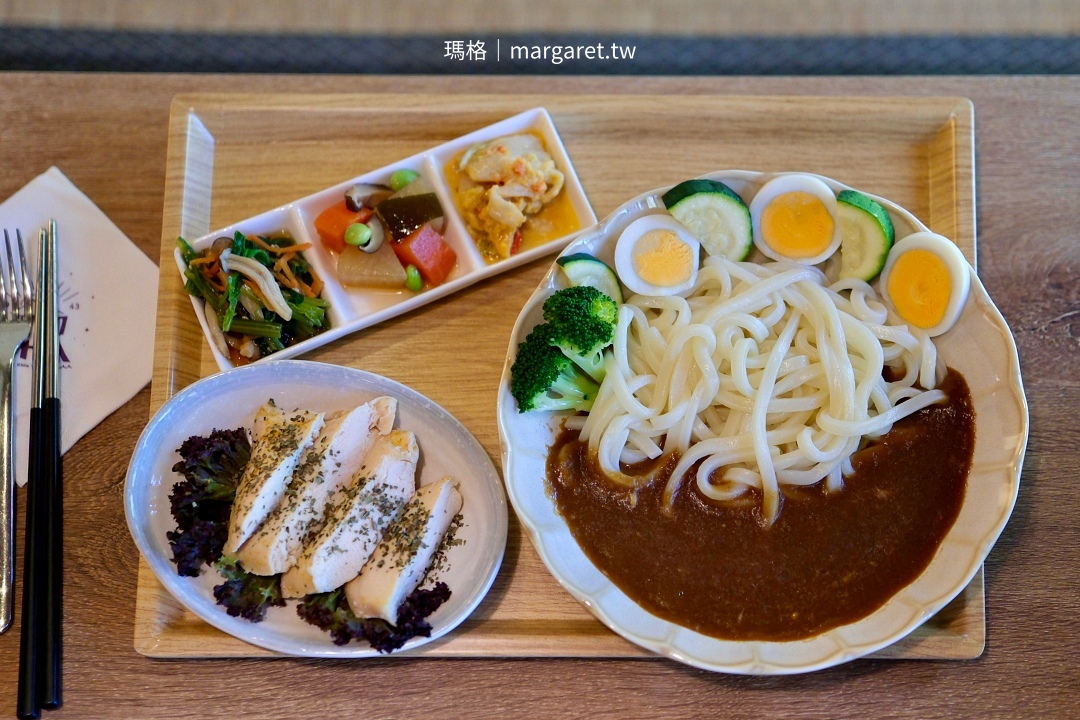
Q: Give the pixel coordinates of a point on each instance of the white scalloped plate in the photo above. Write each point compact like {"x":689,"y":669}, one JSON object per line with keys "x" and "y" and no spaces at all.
{"x":229,"y":400}
{"x":980,"y":346}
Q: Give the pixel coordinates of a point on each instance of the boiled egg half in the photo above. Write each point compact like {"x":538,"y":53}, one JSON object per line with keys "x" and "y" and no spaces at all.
{"x":656,"y":255}
{"x":794,"y":218}
{"x":926,"y":279}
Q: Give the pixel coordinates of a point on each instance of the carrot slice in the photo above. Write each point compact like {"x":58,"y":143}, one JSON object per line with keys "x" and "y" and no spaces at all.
{"x":275,"y":249}
{"x":219,"y":281}
{"x":286,"y":272}
{"x":426,"y":249}
{"x":316,"y":283}
{"x":334,"y":220}
{"x":237,"y":358}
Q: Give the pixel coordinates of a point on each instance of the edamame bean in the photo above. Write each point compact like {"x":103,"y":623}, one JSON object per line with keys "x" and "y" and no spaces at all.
{"x":357,"y":234}
{"x":401,"y":178}
{"x":413,"y":281}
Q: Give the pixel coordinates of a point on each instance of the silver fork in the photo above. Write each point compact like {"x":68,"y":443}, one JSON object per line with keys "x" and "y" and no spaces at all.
{"x":16,"y":303}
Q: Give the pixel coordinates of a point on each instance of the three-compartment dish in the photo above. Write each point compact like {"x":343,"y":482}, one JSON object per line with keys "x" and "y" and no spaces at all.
{"x":296,"y":277}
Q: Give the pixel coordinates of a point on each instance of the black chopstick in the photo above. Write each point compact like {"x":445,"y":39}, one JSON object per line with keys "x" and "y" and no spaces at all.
{"x":52,"y":478}
{"x":50,"y":475}
{"x":29,"y":700}
{"x":40,"y":653}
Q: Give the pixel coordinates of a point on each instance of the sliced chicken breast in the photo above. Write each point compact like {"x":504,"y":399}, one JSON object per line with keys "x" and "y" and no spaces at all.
{"x":387,"y":479}
{"x":278,"y":440}
{"x":327,"y":466}
{"x":404,"y":555}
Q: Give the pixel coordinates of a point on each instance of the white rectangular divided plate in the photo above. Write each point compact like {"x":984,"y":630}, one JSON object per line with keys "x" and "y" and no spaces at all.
{"x":354,"y":308}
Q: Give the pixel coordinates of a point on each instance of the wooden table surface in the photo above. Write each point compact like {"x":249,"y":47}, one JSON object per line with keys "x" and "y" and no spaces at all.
{"x":108,"y":134}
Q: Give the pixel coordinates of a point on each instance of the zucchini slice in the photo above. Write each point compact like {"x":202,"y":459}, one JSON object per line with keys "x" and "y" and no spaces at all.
{"x":584,"y":269}
{"x":867,"y":234}
{"x":715,"y":215}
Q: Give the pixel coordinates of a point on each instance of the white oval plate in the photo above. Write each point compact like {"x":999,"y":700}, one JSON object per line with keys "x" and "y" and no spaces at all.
{"x":229,"y":400}
{"x":980,"y":346}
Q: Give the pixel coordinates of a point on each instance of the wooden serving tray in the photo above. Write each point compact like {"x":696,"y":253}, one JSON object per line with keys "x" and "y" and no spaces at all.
{"x":233,"y":156}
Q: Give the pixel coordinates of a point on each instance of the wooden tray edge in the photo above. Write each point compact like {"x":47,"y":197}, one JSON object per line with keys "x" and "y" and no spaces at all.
{"x":163,"y":627}
{"x":952,"y":185}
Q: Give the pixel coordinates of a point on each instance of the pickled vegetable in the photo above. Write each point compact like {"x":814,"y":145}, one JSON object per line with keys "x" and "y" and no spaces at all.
{"x":427,"y":250}
{"x":332,"y":223}
{"x":403,"y":215}
{"x":413,"y":279}
{"x":401,"y":178}
{"x":380,"y":269}
{"x":418,"y":186}
{"x":358,"y":234}
{"x":360,"y":195}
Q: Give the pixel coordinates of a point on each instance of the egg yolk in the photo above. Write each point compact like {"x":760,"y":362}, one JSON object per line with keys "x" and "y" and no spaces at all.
{"x":797,"y":225}
{"x":662,"y":259}
{"x":919,"y":287}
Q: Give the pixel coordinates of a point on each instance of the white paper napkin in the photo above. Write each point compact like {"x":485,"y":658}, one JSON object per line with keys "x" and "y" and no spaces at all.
{"x":108,"y":298}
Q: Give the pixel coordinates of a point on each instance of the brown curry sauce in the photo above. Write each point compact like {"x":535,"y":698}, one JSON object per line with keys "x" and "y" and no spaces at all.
{"x":828,"y":560}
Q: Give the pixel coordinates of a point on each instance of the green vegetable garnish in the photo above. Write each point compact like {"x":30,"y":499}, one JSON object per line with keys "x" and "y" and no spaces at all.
{"x":413,"y":280}
{"x":211,"y":467}
{"x":542,"y":378}
{"x":584,"y":269}
{"x":309,"y":315}
{"x":357,"y":235}
{"x":583,"y":324}
{"x":196,"y":284}
{"x":867,"y":234}
{"x":244,"y":301}
{"x":256,"y":328}
{"x":330,"y":611}
{"x":561,"y":363}
{"x":233,"y":297}
{"x":401,"y":178}
{"x":187,"y":254}
{"x":245,"y":248}
{"x":244,"y":594}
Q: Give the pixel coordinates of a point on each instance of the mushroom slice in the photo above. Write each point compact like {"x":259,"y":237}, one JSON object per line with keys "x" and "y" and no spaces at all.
{"x":363,"y":194}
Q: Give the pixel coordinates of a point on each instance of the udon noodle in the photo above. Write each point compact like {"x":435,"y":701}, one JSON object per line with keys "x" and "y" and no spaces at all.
{"x":763,"y":372}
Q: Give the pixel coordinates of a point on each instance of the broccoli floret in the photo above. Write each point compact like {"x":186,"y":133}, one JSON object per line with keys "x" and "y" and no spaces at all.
{"x":583,"y":322}
{"x":543,"y":378}
{"x":244,"y":594}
